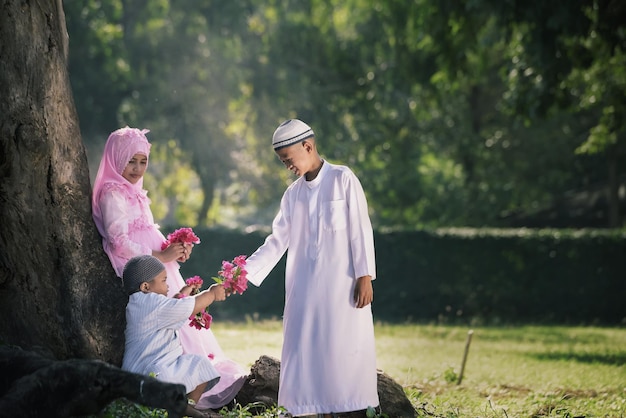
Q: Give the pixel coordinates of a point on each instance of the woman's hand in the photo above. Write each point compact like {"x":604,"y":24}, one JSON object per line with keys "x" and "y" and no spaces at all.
{"x":187,"y":248}
{"x":173,"y":252}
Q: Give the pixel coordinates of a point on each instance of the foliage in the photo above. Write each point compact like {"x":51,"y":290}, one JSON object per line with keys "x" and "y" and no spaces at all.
{"x":450,"y":375}
{"x":124,"y":409}
{"x":101,"y":76}
{"x":511,"y":371}
{"x":170,"y":181}
{"x":452,"y":113}
{"x":541,"y":371}
{"x":252,"y":410}
{"x":460,"y":275}
{"x":121,"y":408}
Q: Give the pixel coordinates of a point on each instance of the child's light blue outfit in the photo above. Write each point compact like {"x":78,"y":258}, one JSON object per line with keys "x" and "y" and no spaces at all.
{"x":153,"y":345}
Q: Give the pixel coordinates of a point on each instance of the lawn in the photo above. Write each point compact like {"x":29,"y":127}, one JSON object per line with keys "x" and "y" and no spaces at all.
{"x":525,"y":371}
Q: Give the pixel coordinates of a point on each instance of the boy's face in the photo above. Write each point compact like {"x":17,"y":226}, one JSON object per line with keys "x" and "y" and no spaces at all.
{"x":157,"y":285}
{"x":296,"y":157}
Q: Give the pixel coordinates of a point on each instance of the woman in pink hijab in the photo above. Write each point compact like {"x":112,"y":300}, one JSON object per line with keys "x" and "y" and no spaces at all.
{"x":121,"y":211}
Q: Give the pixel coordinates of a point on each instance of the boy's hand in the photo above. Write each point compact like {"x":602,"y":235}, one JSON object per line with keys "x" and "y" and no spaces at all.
{"x":218,"y":292}
{"x":363,"y":291}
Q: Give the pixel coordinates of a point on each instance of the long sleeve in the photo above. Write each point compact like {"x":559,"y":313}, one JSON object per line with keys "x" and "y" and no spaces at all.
{"x":117,"y":219}
{"x":361,"y":233}
{"x":265,"y":258}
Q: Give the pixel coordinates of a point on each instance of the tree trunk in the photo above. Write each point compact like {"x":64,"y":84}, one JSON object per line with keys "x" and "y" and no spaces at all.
{"x":205,"y":168}
{"x":57,"y":288}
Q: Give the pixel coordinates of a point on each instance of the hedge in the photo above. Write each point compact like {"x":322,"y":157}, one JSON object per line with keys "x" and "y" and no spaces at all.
{"x":488,"y":276}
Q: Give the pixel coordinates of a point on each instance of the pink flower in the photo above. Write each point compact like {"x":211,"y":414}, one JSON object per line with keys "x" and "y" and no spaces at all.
{"x":211,"y":356}
{"x":183,"y":235}
{"x":233,"y":275}
{"x":227,"y":270}
{"x":201,"y":320}
{"x":194,"y":281}
{"x":240,"y":261}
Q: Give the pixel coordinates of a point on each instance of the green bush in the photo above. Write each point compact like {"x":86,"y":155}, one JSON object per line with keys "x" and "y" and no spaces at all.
{"x":458,"y":275}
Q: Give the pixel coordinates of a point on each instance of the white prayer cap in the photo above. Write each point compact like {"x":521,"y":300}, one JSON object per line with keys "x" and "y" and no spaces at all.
{"x":291,"y":132}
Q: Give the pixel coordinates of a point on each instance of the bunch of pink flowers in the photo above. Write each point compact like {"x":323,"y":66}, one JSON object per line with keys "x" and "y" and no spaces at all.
{"x":182,"y":235}
{"x":233,"y":275}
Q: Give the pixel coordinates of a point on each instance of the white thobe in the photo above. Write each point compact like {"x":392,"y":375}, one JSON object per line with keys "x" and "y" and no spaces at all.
{"x":153,"y":345}
{"x":328,"y":361}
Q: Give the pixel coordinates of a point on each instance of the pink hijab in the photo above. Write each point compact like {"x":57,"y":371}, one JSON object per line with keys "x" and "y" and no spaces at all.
{"x":118,"y":151}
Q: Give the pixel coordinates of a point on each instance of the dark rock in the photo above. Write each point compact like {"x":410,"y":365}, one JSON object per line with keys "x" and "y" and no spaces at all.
{"x":261,"y":386}
{"x":393,"y":400}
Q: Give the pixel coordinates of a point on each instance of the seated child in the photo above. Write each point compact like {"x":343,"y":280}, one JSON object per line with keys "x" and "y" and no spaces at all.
{"x":152,"y":322}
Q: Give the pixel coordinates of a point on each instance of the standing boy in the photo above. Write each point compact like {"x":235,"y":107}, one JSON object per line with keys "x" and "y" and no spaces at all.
{"x":328,"y":362}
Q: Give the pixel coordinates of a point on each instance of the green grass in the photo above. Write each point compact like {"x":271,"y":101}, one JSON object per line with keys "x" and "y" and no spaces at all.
{"x":526,"y":371}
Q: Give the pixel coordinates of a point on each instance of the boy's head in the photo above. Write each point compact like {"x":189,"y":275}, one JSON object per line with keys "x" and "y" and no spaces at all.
{"x":144,"y":273}
{"x":291,"y":132}
{"x":294,"y":144}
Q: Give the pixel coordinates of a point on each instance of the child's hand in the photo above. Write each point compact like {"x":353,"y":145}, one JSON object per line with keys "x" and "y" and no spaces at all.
{"x":218,"y":292}
{"x":193,"y":289}
{"x":189,"y":290}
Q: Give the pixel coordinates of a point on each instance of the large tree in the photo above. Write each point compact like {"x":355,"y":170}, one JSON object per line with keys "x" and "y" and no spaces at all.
{"x":57,"y":289}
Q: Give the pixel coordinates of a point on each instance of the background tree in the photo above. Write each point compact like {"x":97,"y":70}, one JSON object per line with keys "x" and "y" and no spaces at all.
{"x":453,"y":113}
{"x":570,"y":58}
{"x":57,"y":290}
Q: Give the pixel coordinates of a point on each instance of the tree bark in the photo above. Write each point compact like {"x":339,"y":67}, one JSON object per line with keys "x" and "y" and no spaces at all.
{"x":35,"y":386}
{"x":57,"y":288}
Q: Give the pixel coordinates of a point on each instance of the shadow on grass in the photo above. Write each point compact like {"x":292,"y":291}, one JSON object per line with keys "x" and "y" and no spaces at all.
{"x":610,"y":359}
